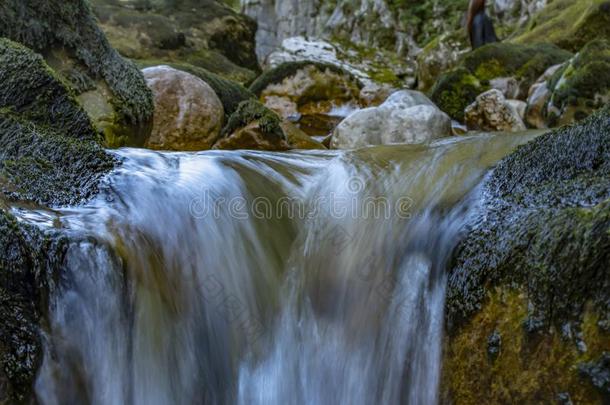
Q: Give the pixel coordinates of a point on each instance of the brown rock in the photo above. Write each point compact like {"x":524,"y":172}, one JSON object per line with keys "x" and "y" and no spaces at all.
{"x":299,"y":139}
{"x":253,"y":137}
{"x":188,"y":113}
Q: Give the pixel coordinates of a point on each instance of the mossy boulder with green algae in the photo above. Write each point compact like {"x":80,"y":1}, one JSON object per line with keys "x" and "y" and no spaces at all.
{"x":457,"y":89}
{"x":29,"y":264}
{"x":580,"y":86}
{"x":49,"y":154}
{"x":111,"y":89}
{"x":49,"y":150}
{"x":534,"y":270}
{"x":568,"y":24}
{"x":285,"y":70}
{"x":204,"y":33}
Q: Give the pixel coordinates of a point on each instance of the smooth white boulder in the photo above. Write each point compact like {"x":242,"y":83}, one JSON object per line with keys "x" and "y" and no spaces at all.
{"x":405,"y":117}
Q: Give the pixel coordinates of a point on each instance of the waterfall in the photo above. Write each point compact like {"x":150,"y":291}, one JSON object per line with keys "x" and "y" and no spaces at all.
{"x":263,"y":278}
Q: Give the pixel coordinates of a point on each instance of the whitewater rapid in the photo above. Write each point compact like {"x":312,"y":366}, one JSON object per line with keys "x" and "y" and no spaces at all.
{"x":262,"y":278}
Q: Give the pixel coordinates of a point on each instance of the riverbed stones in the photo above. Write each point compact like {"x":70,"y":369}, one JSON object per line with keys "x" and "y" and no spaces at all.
{"x":492,"y":112}
{"x":406,"y":117}
{"x":188,"y":113}
{"x":538,"y":97}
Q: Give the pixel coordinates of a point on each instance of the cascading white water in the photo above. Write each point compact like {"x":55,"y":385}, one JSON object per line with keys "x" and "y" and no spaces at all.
{"x":258,"y":278}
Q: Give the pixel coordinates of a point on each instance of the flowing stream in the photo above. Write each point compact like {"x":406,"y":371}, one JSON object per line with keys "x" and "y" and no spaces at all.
{"x":262,"y":278}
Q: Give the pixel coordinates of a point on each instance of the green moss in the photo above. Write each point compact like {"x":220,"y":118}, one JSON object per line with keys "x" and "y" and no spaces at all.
{"x":568,"y":24}
{"x":525,"y":62}
{"x":583,"y":85}
{"x":33,"y":90}
{"x":278,"y":74}
{"x":527,"y":369}
{"x":455,"y":90}
{"x":231,"y":94}
{"x":28,"y":263}
{"x":252,"y":110}
{"x":70,"y":26}
{"x":41,"y":165}
{"x":546,"y":228}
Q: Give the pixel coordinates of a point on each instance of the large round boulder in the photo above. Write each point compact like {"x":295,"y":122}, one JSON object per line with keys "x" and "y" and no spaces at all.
{"x":188,"y":113}
{"x":405,"y":117}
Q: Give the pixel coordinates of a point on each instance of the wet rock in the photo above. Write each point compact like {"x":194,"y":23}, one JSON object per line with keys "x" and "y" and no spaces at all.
{"x":494,"y":345}
{"x":253,"y":136}
{"x":29,"y":262}
{"x":253,"y":126}
{"x":49,"y":150}
{"x":318,"y":124}
{"x":32,"y":89}
{"x":598,"y":373}
{"x":519,"y":106}
{"x":564,"y":399}
{"x":509,"y":86}
{"x":110,"y":88}
{"x":550,"y":195}
{"x":188,"y":113}
{"x":285,"y":107}
{"x":492,"y":112}
{"x":305,"y":84}
{"x":568,"y":24}
{"x":440,"y":55}
{"x":231,"y":94}
{"x":581,"y":86}
{"x":457,"y":89}
{"x":373,"y":68}
{"x":406,"y":117}
{"x":297,"y":139}
{"x":538,"y":97}
{"x":203,"y":33}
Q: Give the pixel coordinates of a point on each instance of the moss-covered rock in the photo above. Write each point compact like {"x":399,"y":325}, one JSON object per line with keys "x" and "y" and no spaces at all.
{"x":33,"y":90}
{"x":49,"y":150}
{"x":252,"y":110}
{"x":231,"y":94}
{"x":203,"y":33}
{"x":112,"y":89}
{"x":581,"y":86}
{"x":568,"y":24}
{"x":45,"y":166}
{"x":438,"y":56}
{"x":254,"y":126}
{"x":535,"y":266}
{"x":29,"y":261}
{"x":456,"y":89}
{"x":285,"y":70}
